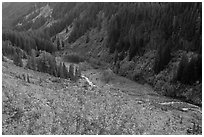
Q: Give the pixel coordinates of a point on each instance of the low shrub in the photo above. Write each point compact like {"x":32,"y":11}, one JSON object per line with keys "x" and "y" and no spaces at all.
{"x":125,"y":67}
{"x":137,"y":76}
{"x":107,"y":76}
{"x":84,"y":66}
{"x":17,"y":60}
{"x":3,"y":59}
{"x":95,"y":63}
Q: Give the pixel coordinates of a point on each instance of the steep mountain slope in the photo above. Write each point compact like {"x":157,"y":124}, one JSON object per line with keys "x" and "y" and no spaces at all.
{"x":11,"y":11}
{"x":144,"y":55}
{"x":137,"y":68}
{"x":122,"y":33}
{"x":40,"y":17}
{"x":35,"y":15}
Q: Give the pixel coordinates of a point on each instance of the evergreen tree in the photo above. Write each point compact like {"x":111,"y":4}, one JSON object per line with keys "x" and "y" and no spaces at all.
{"x":63,"y":44}
{"x":162,"y":58}
{"x":66,"y":30}
{"x":28,"y":79}
{"x":53,"y":39}
{"x":53,"y":66}
{"x":192,"y":71}
{"x":66,"y":75}
{"x":58,"y":44}
{"x":116,"y":57}
{"x":198,"y":68}
{"x":183,"y":63}
{"x":133,"y":42}
{"x":87,"y":38}
{"x":17,"y":60}
{"x":61,"y":72}
{"x":24,"y":77}
{"x":32,"y":64}
{"x":71,"y":71}
{"x":77,"y":73}
{"x":189,"y":73}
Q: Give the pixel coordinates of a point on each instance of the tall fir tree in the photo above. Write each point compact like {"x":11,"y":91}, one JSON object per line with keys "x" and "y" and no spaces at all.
{"x":58,"y":44}
{"x":183,"y":63}
{"x":71,"y":71}
{"x":61,"y":72}
{"x":66,"y":75}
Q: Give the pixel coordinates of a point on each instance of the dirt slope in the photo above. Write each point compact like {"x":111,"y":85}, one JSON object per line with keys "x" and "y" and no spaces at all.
{"x":48,"y":105}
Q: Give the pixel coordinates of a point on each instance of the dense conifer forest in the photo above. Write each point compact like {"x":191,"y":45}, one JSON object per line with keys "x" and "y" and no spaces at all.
{"x":131,"y":28}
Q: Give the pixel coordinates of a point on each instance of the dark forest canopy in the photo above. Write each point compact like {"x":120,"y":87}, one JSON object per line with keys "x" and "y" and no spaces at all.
{"x":130,"y":26}
{"x":133,"y":25}
{"x":37,"y":40}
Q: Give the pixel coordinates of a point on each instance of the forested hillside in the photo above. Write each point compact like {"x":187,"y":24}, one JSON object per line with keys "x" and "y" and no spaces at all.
{"x":130,"y":26}
{"x":131,"y":30}
{"x":158,"y":44}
